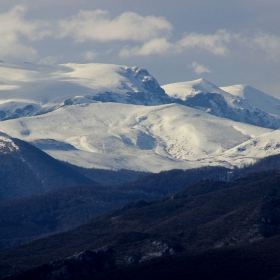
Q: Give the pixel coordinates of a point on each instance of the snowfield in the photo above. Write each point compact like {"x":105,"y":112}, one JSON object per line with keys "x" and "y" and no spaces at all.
{"x":113,"y":117}
{"x":112,"y":135}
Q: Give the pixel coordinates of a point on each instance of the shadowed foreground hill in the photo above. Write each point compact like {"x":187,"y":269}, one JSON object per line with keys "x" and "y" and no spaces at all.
{"x":26,"y":170}
{"x":25,"y":219}
{"x":201,"y":217}
{"x":259,"y":260}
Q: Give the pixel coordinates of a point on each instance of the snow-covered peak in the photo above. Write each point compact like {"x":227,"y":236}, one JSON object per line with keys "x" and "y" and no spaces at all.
{"x":47,"y":83}
{"x":29,"y":89}
{"x":240,"y":103}
{"x":255,"y":98}
{"x":108,"y":78}
{"x":183,"y":90}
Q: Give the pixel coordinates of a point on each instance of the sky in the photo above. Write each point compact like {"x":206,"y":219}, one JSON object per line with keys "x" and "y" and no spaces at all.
{"x":226,"y":42}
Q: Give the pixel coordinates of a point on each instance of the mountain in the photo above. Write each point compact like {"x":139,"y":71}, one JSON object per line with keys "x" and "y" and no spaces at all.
{"x":28,"y":89}
{"x":205,"y":216}
{"x":64,"y":209}
{"x":117,"y":117}
{"x":184,"y":90}
{"x":255,"y":98}
{"x":26,"y":170}
{"x":239,"y":103}
{"x":126,"y":136}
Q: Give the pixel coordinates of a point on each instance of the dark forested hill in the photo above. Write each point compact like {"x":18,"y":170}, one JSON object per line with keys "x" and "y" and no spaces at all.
{"x":209,"y":214}
{"x":26,"y":170}
{"x":28,"y":218}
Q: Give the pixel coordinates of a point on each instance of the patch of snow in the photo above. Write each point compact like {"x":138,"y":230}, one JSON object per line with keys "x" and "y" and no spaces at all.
{"x":7,"y":145}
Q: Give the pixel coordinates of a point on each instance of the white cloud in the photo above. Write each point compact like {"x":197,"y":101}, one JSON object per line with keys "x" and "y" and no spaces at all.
{"x":98,"y":26}
{"x":199,"y":69}
{"x":213,"y":43}
{"x":13,"y":27}
{"x":216,"y":44}
{"x":154,"y":46}
{"x":89,"y":56}
{"x":136,"y":35}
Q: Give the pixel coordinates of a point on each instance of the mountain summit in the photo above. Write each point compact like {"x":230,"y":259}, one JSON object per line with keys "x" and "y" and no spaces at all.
{"x":28,"y":89}
{"x":239,"y":103}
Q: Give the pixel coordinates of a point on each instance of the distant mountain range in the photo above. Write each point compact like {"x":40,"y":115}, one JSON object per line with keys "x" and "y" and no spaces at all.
{"x":117,"y":117}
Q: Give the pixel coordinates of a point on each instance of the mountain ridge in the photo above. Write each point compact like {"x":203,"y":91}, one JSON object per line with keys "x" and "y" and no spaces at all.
{"x":153,"y":130}
{"x":239,"y":103}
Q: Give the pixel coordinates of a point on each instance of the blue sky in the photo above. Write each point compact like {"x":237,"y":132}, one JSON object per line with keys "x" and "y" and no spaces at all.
{"x":226,"y":42}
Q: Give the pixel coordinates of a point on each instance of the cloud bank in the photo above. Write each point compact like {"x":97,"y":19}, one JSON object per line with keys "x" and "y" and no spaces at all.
{"x":127,"y":35}
{"x":98,"y":26}
{"x":14,"y":29}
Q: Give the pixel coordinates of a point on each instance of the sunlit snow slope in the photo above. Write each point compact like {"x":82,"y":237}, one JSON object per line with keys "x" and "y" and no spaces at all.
{"x":248,"y":152}
{"x":111,"y":135}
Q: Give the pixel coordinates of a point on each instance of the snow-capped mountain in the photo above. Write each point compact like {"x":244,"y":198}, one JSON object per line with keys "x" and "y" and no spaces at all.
{"x":113,"y":135}
{"x":29,"y":89}
{"x":255,"y":98}
{"x":238,"y":103}
{"x":111,"y":116}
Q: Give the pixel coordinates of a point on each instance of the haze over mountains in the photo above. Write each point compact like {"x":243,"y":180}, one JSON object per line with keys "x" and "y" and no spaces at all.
{"x":114,"y":117}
